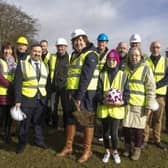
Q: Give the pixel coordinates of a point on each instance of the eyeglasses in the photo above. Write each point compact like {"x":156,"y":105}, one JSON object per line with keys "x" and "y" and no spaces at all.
{"x":157,"y":47}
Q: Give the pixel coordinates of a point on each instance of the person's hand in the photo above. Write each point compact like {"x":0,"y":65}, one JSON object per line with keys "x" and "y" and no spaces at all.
{"x":120,"y":103}
{"x":147,"y":112}
{"x":77,"y":104}
{"x":104,"y":102}
{"x":115,"y":104}
{"x":70,"y":96}
{"x":17,"y":105}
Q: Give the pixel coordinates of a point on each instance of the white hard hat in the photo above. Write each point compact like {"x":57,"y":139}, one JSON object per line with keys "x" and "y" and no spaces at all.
{"x":135,"y":38}
{"x":17,"y":114}
{"x":78,"y":32}
{"x":61,"y":41}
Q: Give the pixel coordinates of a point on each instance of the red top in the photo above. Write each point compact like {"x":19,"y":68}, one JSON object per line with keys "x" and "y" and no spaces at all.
{"x":4,"y":99}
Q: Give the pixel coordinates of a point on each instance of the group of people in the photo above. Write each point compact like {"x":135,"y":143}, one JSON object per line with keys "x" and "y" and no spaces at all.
{"x":81,"y":80}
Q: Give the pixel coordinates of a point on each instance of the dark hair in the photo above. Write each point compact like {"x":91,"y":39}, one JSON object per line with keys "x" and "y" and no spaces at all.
{"x":35,"y":45}
{"x":42,"y":41}
{"x":85,"y":38}
{"x":7,"y":45}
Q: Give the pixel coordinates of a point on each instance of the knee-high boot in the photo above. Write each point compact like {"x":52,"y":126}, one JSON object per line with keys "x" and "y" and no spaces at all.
{"x":88,"y":137}
{"x":70,"y":133}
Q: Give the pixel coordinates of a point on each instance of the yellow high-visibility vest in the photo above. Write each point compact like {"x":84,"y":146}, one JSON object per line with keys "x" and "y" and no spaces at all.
{"x":6,"y":75}
{"x":74,"y":73}
{"x":136,"y":85}
{"x":30,"y":84}
{"x":47,"y":58}
{"x":119,"y":81}
{"x":159,"y":72}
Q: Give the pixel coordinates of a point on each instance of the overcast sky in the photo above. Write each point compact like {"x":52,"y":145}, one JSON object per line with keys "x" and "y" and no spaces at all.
{"x":117,"y":18}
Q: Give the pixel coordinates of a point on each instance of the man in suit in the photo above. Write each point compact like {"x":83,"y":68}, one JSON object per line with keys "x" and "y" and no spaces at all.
{"x":30,"y":95}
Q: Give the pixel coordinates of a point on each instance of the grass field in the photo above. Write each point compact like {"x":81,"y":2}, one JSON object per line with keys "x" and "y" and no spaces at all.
{"x":34,"y":157}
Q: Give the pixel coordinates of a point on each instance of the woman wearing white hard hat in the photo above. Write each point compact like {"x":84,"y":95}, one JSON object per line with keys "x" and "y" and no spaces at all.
{"x":81,"y":86}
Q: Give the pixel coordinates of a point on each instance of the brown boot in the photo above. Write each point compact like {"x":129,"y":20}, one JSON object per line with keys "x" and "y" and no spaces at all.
{"x":136,"y":154}
{"x":70,"y":133}
{"x":88,"y":137}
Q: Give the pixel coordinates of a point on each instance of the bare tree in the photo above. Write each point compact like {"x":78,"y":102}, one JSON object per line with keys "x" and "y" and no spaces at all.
{"x":14,"y":23}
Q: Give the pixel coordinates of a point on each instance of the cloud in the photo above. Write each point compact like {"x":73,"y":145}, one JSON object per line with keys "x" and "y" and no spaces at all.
{"x":119,"y":19}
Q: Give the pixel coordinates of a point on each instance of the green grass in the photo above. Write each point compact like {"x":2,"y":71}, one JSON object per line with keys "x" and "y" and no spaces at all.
{"x":34,"y":157}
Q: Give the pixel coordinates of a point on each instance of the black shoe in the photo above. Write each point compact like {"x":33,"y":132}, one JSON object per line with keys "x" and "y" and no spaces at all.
{"x":20,"y":149}
{"x":41,"y":145}
{"x":161,"y":145}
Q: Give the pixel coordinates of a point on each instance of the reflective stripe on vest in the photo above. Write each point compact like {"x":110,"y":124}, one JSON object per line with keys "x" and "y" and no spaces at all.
{"x":119,"y":81}
{"x":30,"y":84}
{"x":136,"y":85}
{"x":159,"y":72}
{"x":102,"y":61}
{"x":74,"y":73}
{"x":6,"y":75}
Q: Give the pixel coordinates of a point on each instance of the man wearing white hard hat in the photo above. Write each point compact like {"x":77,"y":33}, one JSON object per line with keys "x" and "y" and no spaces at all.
{"x":135,"y":40}
{"x":58,"y":65}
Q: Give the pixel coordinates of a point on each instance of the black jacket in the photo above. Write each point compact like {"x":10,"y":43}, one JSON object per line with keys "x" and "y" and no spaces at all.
{"x":155,"y":59}
{"x":60,"y":71}
{"x":21,"y":56}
